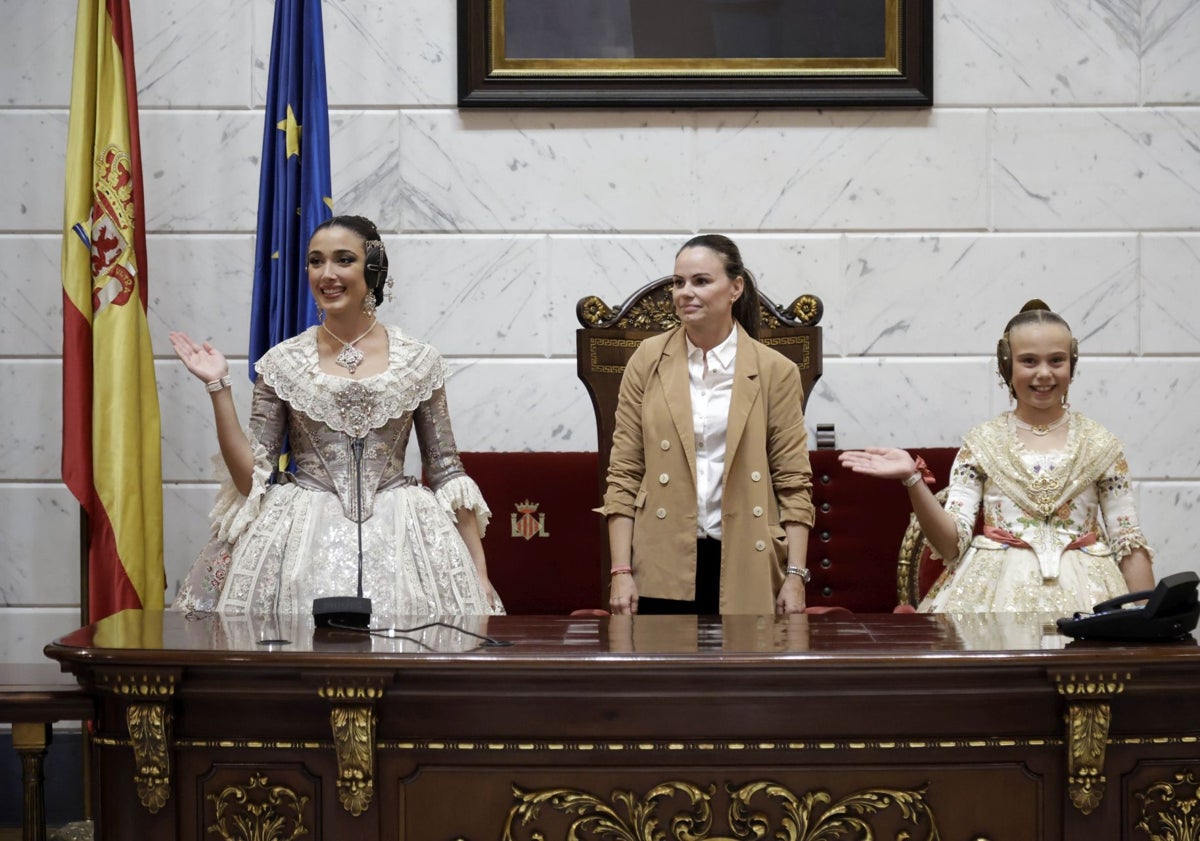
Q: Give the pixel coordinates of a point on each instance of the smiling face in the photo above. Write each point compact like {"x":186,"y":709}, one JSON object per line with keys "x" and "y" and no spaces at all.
{"x":335,"y":271}
{"x":1041,"y":368}
{"x":703,"y":293}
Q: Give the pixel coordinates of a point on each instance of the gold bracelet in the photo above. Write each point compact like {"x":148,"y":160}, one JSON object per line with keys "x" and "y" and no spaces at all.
{"x":219,"y":384}
{"x":913,"y":479}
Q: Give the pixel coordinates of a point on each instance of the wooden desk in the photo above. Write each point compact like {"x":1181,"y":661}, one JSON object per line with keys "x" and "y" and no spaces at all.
{"x":32,"y":698}
{"x":742,"y":727}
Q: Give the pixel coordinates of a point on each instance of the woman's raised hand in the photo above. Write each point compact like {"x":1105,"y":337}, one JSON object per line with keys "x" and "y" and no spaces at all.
{"x":881,"y":462}
{"x":204,"y":361}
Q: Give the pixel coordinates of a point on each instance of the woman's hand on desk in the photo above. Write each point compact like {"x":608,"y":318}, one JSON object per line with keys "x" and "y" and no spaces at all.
{"x":622,"y":595}
{"x":791,"y":596}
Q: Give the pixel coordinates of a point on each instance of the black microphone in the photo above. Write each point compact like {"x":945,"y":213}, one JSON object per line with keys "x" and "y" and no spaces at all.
{"x":348,"y":611}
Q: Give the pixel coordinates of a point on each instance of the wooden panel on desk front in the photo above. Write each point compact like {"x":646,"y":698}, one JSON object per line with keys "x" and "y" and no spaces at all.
{"x":905,"y":721}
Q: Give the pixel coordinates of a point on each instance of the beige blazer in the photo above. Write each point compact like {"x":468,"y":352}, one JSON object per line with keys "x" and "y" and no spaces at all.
{"x":767,"y":478}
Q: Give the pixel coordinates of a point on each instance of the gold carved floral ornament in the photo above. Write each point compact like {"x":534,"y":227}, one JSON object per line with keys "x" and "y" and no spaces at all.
{"x":258,"y":812}
{"x":626,"y":816}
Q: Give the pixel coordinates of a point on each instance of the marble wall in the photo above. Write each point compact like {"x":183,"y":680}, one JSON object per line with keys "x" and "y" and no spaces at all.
{"x":1062,"y":161}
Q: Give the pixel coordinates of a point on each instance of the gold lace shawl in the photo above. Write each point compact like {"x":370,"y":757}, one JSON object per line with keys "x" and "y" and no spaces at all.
{"x":1090,"y":451}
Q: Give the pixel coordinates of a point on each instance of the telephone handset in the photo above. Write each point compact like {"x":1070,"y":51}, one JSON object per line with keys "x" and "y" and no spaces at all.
{"x":1171,"y":612}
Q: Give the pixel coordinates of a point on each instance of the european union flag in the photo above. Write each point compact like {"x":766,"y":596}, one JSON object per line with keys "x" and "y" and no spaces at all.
{"x":294,"y":193}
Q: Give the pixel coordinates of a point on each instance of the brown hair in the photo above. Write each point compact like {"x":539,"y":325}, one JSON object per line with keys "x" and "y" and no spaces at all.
{"x":1035,"y":311}
{"x":375,"y":267}
{"x":746,"y":308}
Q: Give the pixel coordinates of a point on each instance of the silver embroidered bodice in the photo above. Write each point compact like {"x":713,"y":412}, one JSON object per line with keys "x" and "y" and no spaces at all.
{"x":322,"y":414}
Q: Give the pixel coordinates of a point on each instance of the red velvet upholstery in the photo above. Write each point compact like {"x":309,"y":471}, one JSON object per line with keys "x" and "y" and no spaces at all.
{"x":554,"y":569}
{"x":852,"y":550}
{"x":860,"y":523}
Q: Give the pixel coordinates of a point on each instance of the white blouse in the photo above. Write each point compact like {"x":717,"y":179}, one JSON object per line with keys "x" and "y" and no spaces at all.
{"x":710,"y":376}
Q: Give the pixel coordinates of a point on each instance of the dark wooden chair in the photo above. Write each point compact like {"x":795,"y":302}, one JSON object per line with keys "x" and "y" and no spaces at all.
{"x":859,"y":523}
{"x":610,"y":335}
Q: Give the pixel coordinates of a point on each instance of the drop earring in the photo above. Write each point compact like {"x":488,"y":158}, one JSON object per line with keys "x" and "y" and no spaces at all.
{"x":320,"y":315}
{"x":368,"y":305}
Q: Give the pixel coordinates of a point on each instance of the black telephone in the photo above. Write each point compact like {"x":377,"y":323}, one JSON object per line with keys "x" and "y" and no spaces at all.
{"x":1171,"y":612}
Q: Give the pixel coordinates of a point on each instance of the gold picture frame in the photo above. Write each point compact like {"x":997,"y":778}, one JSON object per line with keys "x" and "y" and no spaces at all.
{"x":695,"y":53}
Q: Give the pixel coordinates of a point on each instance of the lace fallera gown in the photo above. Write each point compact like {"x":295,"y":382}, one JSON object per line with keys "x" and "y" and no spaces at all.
{"x":287,"y":543}
{"x":1056,"y":524}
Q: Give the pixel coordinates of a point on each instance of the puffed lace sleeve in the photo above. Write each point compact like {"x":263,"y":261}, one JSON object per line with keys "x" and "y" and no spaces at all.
{"x":1120,"y":515}
{"x":443,"y":468}
{"x":963,"y":497}
{"x":233,"y":513}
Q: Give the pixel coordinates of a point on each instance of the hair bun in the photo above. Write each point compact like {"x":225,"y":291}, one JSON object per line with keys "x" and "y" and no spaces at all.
{"x":1036,"y":304}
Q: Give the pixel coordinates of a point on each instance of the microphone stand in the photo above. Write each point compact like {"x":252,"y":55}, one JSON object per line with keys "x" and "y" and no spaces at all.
{"x":350,"y":612}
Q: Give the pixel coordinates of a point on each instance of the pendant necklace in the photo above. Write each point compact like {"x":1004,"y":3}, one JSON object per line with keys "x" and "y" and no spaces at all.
{"x":349,"y":357}
{"x":1040,"y":429}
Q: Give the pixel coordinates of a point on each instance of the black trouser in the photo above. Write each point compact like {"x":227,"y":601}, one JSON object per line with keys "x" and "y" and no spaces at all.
{"x":708,"y":586}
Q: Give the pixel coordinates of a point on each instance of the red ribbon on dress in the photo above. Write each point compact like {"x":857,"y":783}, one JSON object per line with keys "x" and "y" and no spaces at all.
{"x":926,"y":473}
{"x":1009,"y":539}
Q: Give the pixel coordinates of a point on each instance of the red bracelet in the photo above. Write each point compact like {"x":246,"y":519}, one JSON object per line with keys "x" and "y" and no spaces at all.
{"x":621,"y":571}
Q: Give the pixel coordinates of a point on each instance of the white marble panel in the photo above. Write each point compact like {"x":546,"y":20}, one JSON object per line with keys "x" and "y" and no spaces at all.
{"x":364,"y":156}
{"x":1168,"y":511}
{"x":1033,"y":52}
{"x":185,"y":529}
{"x":201,"y":285}
{"x":1151,"y":405}
{"x":901,"y":402}
{"x":201,"y":169}
{"x":30,"y":274}
{"x":609,"y":267}
{"x":546,"y":171}
{"x":1082,"y":169}
{"x":189,"y":439}
{"x":33,"y":147}
{"x":192,"y":54}
{"x":1170,"y":59}
{"x":614,"y":267}
{"x":39,"y":529}
{"x":515,"y":405}
{"x":953,"y":294}
{"x":471,"y":296}
{"x":393,"y":54}
{"x":38,"y":45}
{"x":1170,"y":294}
{"x":31,"y":425}
{"x":25,"y":632}
{"x":835,"y":170}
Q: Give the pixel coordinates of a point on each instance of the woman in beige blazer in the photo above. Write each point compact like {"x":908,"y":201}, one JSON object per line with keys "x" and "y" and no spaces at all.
{"x":709,"y":498}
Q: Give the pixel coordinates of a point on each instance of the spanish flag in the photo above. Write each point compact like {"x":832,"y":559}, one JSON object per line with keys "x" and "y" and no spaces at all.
{"x":111,"y":458}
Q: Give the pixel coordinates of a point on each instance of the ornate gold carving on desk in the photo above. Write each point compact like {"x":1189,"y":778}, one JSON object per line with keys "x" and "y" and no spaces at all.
{"x":628,"y":817}
{"x":148,"y":717}
{"x":1088,"y":719}
{"x":353,"y":721}
{"x":258,"y":812}
{"x":1171,"y":808}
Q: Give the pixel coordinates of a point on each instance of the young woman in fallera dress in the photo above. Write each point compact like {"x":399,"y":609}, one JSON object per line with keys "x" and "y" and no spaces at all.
{"x":1060,"y":529}
{"x":350,"y":384}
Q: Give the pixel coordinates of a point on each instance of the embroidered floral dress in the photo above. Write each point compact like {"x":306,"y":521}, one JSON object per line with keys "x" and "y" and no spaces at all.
{"x":1056,"y":524}
{"x":286,"y":543}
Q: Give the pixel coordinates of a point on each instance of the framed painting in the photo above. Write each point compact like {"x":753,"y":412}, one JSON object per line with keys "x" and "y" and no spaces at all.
{"x":695,"y":53}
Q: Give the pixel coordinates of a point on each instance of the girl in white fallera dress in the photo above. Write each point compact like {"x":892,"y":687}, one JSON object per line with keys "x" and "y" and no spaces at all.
{"x":1060,"y":529}
{"x":283,"y":539}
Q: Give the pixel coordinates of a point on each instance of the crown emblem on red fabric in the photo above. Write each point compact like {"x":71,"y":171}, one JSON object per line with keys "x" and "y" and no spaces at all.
{"x":527,"y":525}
